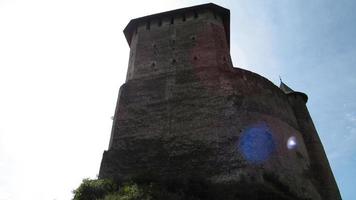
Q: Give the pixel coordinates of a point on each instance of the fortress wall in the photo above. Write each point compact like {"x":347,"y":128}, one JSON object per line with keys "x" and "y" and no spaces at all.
{"x":162,"y":45}
{"x":263,"y":95}
{"x":185,"y":112}
{"x":197,"y":129}
{"x":320,"y":169}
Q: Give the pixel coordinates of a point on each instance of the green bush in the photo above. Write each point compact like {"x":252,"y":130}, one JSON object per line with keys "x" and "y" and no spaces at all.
{"x":103,"y":189}
{"x":94,"y":189}
{"x":129,"y":192}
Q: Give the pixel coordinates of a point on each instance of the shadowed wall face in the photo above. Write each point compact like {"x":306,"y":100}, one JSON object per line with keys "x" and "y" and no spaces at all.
{"x":323,"y":177}
{"x":185,"y":113}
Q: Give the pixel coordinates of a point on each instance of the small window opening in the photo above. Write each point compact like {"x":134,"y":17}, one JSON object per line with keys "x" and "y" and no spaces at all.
{"x":172,"y":20}
{"x":193,"y":38}
{"x":148,"y":25}
{"x":159,"y":22}
{"x":195,"y":14}
{"x":183,"y":18}
{"x":174,"y":61}
{"x":195,"y":58}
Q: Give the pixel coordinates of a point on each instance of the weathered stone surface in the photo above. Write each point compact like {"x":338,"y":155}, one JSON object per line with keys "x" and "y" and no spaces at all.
{"x":185,"y":114}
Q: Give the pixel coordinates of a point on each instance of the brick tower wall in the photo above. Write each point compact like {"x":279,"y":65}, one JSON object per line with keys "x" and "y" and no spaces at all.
{"x":185,"y":112}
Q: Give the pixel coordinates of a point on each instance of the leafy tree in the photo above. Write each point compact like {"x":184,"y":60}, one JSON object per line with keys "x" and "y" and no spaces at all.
{"x":94,"y":189}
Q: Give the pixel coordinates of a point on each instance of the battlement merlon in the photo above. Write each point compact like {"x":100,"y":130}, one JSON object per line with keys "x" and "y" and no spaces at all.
{"x":218,"y":10}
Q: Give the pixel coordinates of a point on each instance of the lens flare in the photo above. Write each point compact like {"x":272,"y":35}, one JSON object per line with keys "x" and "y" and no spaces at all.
{"x":256,"y":143}
{"x":292,"y":142}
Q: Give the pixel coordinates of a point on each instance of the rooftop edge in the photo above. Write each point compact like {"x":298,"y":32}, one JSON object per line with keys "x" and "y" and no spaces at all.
{"x":225,"y":13}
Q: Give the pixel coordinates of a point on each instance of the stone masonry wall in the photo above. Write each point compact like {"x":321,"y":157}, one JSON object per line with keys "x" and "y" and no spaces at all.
{"x":185,"y":112}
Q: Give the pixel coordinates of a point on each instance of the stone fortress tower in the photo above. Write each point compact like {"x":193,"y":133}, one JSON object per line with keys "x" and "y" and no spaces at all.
{"x":186,"y":113}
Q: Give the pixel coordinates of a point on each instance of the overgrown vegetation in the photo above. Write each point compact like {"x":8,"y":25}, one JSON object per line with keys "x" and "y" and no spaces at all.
{"x":129,"y":192}
{"x":103,"y":189}
{"x":94,"y":189}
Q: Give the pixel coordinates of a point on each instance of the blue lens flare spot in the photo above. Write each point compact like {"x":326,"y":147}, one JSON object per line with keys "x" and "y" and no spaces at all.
{"x":256,"y":143}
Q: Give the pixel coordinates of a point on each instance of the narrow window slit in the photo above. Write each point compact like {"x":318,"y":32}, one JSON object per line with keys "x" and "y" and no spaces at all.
{"x":183,"y":18}
{"x":148,"y":25}
{"x":172,"y":20}
{"x":195,"y":14}
{"x":159,"y":22}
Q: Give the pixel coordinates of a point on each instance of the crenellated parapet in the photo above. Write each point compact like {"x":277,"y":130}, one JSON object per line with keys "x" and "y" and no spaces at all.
{"x":171,"y":41}
{"x":178,"y":17}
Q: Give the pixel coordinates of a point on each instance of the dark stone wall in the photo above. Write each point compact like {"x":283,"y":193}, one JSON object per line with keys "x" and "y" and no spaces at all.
{"x":320,"y":171}
{"x":185,"y":113}
{"x":165,"y":45}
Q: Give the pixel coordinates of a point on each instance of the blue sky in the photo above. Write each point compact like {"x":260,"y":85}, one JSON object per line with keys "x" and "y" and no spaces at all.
{"x":62,"y":63}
